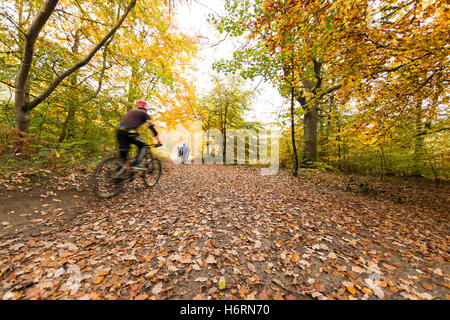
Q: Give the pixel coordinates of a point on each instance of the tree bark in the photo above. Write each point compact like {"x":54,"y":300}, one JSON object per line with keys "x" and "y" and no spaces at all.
{"x":339,"y":142}
{"x":294,"y":147}
{"x":418,"y":142}
{"x":73,"y":81}
{"x":224,"y":134}
{"x":131,"y":96}
{"x":21,"y":102}
{"x":311,"y":120}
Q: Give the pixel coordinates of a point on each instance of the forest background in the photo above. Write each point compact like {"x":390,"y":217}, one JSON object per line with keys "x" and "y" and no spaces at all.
{"x":365,"y":82}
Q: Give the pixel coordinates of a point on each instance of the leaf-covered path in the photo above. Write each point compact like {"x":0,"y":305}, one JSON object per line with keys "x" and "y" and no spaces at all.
{"x":225,"y":232}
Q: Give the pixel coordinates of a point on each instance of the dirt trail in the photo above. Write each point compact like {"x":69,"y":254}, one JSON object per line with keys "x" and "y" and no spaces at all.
{"x":27,"y":210}
{"x":222,"y":232}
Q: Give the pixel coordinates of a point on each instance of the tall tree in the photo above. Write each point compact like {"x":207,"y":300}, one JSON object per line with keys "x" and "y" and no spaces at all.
{"x":22,"y":105}
{"x":382,"y":56}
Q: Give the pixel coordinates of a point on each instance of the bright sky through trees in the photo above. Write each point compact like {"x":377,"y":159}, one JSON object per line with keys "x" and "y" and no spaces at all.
{"x":192,"y":20}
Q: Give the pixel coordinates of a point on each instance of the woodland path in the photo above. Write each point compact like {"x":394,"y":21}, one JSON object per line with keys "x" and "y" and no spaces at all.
{"x":221,"y":232}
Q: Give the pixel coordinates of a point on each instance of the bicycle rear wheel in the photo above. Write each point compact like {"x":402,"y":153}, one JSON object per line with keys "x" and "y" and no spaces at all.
{"x":105,"y":181}
{"x":152,"y":173}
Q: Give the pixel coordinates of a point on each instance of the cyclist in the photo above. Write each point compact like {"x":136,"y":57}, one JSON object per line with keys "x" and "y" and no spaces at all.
{"x":185,"y":153}
{"x":127,"y":132}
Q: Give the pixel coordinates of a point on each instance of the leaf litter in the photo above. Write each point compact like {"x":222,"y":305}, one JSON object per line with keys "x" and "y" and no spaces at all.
{"x":226,"y":232}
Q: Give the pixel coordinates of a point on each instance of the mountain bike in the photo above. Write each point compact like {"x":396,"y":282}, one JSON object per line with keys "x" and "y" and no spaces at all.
{"x":111,"y":174}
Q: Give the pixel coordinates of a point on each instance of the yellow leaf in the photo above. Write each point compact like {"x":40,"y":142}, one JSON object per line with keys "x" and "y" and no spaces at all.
{"x":222,"y":285}
{"x":351,"y":290}
{"x":98,"y":280}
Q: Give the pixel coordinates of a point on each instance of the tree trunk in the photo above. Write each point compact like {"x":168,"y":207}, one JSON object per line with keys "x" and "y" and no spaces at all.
{"x":294,"y":147}
{"x":67,"y":129}
{"x":418,"y":143}
{"x":339,"y":143}
{"x":131,"y":97}
{"x":257,"y":146}
{"x":311,"y":120}
{"x":21,"y":109}
{"x":22,"y":116}
{"x":224,"y":134}
{"x":207,"y":143}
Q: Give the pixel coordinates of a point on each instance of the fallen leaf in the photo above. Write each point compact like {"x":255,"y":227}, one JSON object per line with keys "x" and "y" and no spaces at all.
{"x":129,"y":257}
{"x":438,"y":271}
{"x":264,"y":294}
{"x":367,"y":291}
{"x":142,"y":296}
{"x":157,"y":288}
{"x":295,"y":257}
{"x":222,"y":285}
{"x":358,"y":270}
{"x":98,"y":280}
{"x":389,"y":267}
{"x":210,"y":260}
{"x":394,"y":289}
{"x":332,"y":255}
{"x":201,"y":279}
{"x":94,"y":296}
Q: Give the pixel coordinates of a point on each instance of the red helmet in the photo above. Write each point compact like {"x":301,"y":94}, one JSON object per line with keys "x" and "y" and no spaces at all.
{"x":142,"y":104}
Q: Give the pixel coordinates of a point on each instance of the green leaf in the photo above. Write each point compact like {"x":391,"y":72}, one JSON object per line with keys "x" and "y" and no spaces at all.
{"x":222,"y":285}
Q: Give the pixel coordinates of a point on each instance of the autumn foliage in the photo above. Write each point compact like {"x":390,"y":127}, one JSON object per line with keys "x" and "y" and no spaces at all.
{"x":374,"y":75}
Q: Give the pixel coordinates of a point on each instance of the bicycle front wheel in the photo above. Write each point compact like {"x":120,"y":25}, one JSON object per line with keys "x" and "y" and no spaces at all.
{"x":105,"y":180}
{"x":152,"y":173}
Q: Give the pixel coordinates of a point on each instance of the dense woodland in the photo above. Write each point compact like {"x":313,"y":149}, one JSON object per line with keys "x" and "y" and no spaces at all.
{"x":364,"y":85}
{"x":365,"y":82}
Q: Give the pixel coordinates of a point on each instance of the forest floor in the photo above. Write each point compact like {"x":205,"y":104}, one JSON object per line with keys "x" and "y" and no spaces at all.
{"x":224,"y":232}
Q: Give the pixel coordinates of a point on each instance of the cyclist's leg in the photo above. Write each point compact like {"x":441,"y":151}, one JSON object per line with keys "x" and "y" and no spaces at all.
{"x":124,"y":144}
{"x":143,"y":148}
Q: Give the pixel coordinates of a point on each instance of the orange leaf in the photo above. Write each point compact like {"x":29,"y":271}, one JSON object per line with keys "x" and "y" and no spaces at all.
{"x":367,"y":290}
{"x":351,"y":290}
{"x":394,"y":289}
{"x":142,"y":296}
{"x":389,"y":267}
{"x":94,"y":296}
{"x":427,"y":286}
{"x":295,"y":257}
{"x":264,"y":295}
{"x":98,"y":280}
